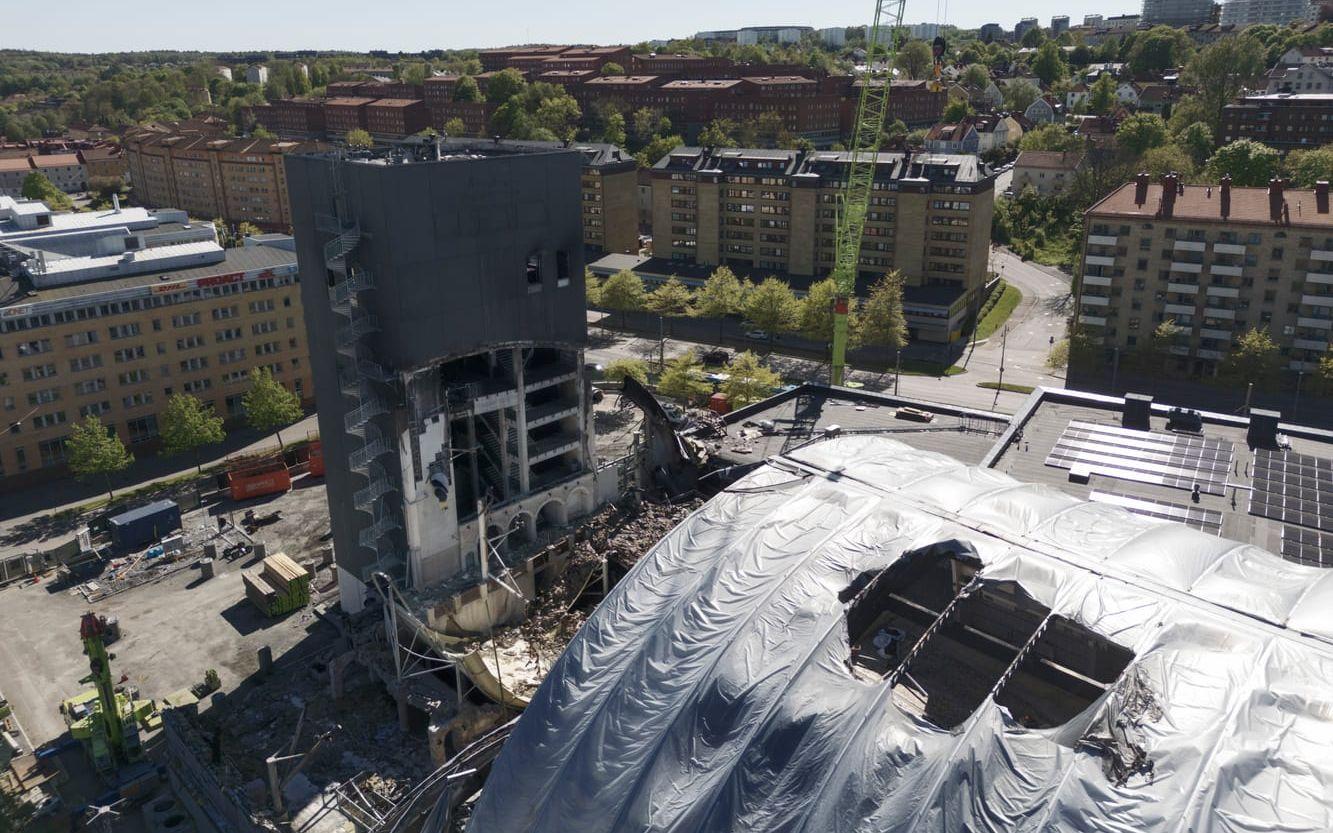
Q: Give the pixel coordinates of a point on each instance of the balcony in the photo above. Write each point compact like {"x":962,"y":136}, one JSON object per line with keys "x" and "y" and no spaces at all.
{"x":1321,"y":255}
{"x":1096,"y":300}
{"x":1221,"y":269}
{"x":1219,"y":335}
{"x":1209,"y":354}
{"x":1218,"y":312}
{"x":1179,"y":350}
{"x":1099,"y":260}
{"x":1317,"y":300}
{"x":1179,"y":309}
{"x":1096,"y":280}
{"x":1189,"y":246}
{"x":1319,"y":278}
{"x":1302,"y":367}
{"x":1319,"y":345}
{"x":1224,"y":291}
{"x":1315,"y":323}
{"x":1183,"y":288}
{"x":1102,"y":240}
{"x":1092,"y":320}
{"x":1187,"y":268}
{"x":1228,"y":248}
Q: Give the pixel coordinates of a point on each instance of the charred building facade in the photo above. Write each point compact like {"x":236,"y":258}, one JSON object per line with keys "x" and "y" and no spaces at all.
{"x":446,"y":342}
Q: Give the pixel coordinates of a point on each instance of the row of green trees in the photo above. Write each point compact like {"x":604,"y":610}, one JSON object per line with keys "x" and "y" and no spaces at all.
{"x":748,"y":379}
{"x":185,"y":425}
{"x":1254,"y":358}
{"x":771,"y":306}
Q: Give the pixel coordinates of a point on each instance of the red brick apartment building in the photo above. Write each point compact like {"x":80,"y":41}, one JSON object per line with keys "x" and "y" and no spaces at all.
{"x":397,"y":116}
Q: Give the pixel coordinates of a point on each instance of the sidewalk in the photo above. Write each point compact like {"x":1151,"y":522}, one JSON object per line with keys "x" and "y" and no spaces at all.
{"x":26,"y":517}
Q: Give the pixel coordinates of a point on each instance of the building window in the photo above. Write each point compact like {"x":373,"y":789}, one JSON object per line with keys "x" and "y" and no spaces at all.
{"x":142,"y":429}
{"x":52,"y":451}
{"x":48,"y":420}
{"x":123,"y":331}
{"x":534,"y":271}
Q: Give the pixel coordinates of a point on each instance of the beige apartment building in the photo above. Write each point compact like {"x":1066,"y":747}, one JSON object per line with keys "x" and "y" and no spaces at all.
{"x":774,"y":212}
{"x":609,"y":187}
{"x":1215,"y":260}
{"x":110,"y":313}
{"x":208,"y":174}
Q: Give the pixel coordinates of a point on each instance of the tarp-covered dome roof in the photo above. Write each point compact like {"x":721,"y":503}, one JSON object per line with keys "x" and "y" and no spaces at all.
{"x":865,"y":637}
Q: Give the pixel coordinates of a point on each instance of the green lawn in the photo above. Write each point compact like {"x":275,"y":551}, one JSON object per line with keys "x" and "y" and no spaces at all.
{"x":999,"y":311}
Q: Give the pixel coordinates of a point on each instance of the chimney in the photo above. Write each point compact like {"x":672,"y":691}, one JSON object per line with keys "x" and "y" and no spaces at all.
{"x":1275,"y":199}
{"x":1226,"y":196}
{"x":1170,"y":182}
{"x":1141,"y":188}
{"x":1321,"y":196}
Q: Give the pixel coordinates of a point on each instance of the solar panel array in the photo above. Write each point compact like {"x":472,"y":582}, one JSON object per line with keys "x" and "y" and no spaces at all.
{"x":1151,"y":457}
{"x":1293,"y":488}
{"x":1206,"y":520}
{"x":1307,"y":546}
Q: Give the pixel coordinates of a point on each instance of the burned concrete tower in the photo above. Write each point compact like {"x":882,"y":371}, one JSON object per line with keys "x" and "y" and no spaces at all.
{"x":446,"y":337}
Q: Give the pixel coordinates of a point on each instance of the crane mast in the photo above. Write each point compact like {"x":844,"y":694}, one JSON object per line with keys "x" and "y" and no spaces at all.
{"x":872,"y":109}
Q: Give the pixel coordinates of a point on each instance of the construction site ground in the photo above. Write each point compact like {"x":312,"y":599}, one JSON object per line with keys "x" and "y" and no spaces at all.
{"x":172,"y":630}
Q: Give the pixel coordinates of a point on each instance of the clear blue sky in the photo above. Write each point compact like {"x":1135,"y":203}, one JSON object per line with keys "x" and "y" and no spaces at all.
{"x":412,"y":25}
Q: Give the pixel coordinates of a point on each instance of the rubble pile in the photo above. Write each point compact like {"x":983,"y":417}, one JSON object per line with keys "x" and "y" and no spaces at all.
{"x":363,"y":739}
{"x":621,"y":534}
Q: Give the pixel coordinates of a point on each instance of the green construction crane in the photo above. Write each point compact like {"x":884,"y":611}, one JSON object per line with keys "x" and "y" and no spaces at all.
{"x":109,"y":729}
{"x":871,"y":111}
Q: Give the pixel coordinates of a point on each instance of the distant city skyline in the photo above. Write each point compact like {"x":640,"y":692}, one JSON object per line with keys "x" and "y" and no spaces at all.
{"x":416,"y":25}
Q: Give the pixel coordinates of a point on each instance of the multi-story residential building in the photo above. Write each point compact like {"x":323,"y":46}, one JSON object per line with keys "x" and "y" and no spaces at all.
{"x":1177,"y":12}
{"x":1302,"y":78}
{"x":833,"y":36}
{"x":924,"y":31}
{"x":1024,"y":26}
{"x":1048,"y":172}
{"x":775,"y":212}
{"x":110,"y":313}
{"x":345,"y":114}
{"x":1277,"y":12}
{"x":447,"y":345}
{"x":293,"y":116}
{"x":103,"y":163}
{"x":211,"y":175}
{"x":397,"y":116}
{"x":63,"y":169}
{"x":912,"y":102}
{"x":1216,"y":261}
{"x":1059,"y":25}
{"x":13,"y":171}
{"x":750,"y":35}
{"x":1286,"y":122}
{"x":991,"y":32}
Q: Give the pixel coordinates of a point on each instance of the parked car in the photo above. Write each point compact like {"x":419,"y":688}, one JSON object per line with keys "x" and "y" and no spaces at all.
{"x":757,"y":335}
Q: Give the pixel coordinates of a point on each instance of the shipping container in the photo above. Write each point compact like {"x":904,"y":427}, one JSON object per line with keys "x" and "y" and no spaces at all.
{"x":316,"y":452}
{"x":145,"y":525}
{"x":245,"y":485}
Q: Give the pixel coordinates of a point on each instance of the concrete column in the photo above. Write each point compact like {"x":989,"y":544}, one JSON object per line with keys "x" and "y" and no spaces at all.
{"x":521,"y":414}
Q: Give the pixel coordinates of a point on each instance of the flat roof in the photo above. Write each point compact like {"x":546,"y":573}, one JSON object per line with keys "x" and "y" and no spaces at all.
{"x":18,"y":292}
{"x":15,"y":163}
{"x":56,"y":160}
{"x":801,"y":415}
{"x":1202,"y":203}
{"x":1049,"y":413}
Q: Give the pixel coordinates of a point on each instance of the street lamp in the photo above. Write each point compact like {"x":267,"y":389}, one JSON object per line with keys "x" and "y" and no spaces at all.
{"x":898,"y":370}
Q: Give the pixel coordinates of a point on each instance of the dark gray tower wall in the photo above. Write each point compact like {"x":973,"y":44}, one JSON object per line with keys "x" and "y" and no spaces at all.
{"x":448,"y":245}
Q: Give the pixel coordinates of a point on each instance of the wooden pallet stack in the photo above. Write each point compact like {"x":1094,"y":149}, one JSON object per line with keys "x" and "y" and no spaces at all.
{"x":278,"y":586}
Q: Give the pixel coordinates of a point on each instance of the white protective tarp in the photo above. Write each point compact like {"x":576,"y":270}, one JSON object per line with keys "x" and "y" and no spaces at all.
{"x":711,"y":690}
